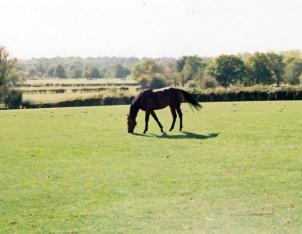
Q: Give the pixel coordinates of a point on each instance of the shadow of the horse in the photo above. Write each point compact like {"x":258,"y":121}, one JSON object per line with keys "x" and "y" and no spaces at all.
{"x":184,"y":135}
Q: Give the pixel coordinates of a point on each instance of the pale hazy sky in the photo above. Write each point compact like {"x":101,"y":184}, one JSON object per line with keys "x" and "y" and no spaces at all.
{"x":148,"y":28}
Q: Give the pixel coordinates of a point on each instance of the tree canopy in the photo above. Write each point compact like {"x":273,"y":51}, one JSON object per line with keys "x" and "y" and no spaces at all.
{"x":228,"y":69}
{"x":8,"y":76}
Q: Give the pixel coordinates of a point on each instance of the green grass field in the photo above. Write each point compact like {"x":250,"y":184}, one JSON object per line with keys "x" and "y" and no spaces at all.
{"x":237,"y":168}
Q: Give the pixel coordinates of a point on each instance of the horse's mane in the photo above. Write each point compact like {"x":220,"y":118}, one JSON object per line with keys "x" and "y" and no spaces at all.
{"x":134,"y":104}
{"x":136,"y":98}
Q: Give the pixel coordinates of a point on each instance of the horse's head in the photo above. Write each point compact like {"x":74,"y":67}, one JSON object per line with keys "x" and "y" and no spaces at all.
{"x":131,"y":123}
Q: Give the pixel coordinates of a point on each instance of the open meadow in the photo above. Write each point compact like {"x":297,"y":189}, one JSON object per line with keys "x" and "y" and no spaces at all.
{"x":236,"y":168}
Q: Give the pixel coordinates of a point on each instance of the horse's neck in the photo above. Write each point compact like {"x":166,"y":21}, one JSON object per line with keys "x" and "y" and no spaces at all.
{"x":134,"y":109}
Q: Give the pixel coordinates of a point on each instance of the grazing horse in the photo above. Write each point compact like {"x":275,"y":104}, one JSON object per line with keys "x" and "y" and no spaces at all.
{"x":150,"y":100}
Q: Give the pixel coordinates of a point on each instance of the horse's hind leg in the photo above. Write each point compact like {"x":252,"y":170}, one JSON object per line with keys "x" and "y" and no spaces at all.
{"x":180,"y":117}
{"x":146,"y":121}
{"x":174,"y":115}
{"x":157,"y":120}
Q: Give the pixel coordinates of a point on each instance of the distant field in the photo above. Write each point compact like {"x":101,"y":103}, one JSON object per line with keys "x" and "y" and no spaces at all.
{"x":59,"y":90}
{"x":58,"y":97}
{"x":78,"y":82}
{"x":236,"y":168}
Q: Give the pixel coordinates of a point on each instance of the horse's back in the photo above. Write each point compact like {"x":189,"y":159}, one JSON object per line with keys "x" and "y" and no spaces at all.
{"x":152,"y":99}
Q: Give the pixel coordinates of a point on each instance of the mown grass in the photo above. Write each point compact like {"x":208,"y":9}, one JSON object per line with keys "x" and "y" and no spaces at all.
{"x":237,"y":168}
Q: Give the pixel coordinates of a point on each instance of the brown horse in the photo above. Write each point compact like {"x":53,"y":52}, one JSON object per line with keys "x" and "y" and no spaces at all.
{"x":150,"y":100}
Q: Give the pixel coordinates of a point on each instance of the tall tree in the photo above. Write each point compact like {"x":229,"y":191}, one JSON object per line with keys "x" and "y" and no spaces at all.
{"x":8,"y":74}
{"x":294,"y":71}
{"x":51,"y":71}
{"x":191,"y":68}
{"x":260,"y":68}
{"x":40,"y":70}
{"x":149,"y":74}
{"x":95,"y":73}
{"x":277,"y":66}
{"x":145,"y":69}
{"x":120,"y":71}
{"x":75,"y":72}
{"x":60,"y":72}
{"x":228,"y":69}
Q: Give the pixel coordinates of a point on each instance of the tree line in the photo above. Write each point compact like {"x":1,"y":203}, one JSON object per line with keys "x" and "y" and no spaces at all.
{"x":76,"y":67}
{"x":246,"y":69}
{"x":269,"y":68}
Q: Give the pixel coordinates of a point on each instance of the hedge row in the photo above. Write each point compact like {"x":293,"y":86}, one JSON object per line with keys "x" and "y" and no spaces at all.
{"x":85,"y":102}
{"x":249,"y":96}
{"x":201,"y":97}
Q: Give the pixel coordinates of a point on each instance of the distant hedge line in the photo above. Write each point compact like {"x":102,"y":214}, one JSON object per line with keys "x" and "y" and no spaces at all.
{"x":249,"y":96}
{"x":85,"y":102}
{"x":212,"y":96}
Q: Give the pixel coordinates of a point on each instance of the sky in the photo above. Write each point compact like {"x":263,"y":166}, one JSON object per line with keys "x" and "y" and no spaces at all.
{"x":148,"y":28}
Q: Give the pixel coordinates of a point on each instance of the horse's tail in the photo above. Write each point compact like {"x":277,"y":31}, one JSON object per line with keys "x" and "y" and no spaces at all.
{"x":190,"y":99}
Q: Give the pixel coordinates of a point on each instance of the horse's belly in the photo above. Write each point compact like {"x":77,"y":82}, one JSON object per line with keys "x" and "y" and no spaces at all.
{"x":160,"y":107}
{"x":153,"y":107}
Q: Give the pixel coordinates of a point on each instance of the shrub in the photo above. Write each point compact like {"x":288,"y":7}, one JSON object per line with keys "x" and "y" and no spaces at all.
{"x":192,"y":84}
{"x":157,"y":81}
{"x":209,"y":82}
{"x":13,"y":99}
{"x":144,"y":82}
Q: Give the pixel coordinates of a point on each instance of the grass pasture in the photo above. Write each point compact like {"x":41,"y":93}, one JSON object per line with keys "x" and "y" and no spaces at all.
{"x":236,"y":168}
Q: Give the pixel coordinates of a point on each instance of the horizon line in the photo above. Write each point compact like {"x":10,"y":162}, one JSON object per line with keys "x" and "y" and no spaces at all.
{"x":159,"y":57}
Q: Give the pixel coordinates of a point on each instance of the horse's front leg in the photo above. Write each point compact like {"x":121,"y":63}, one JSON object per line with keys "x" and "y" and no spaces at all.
{"x":146,"y":121}
{"x":157,"y":121}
